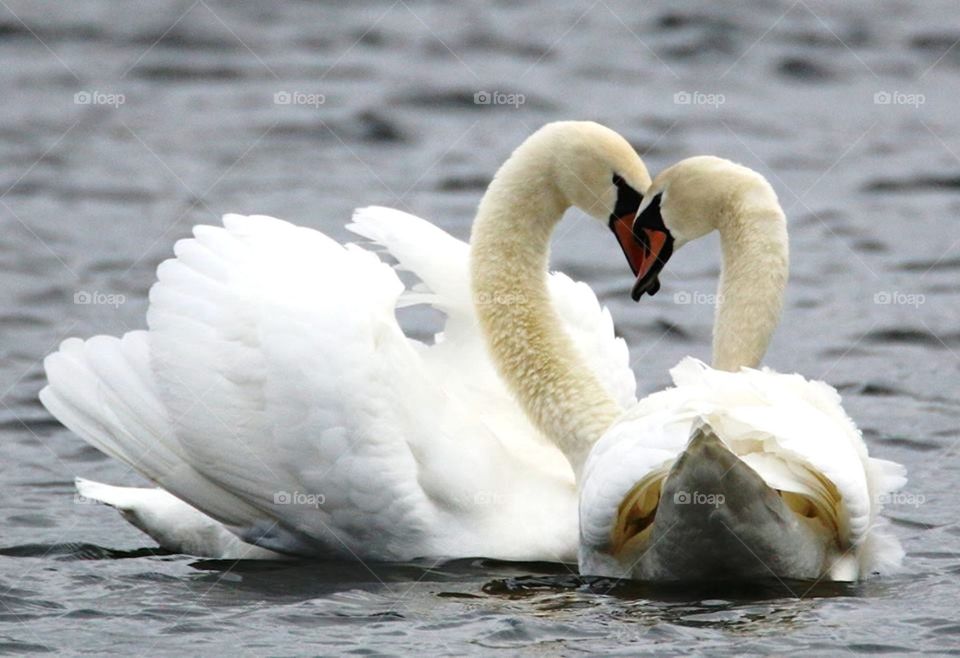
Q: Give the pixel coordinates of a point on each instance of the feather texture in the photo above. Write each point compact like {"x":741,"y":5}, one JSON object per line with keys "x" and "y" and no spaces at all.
{"x":275,"y":397}
{"x":791,"y":431}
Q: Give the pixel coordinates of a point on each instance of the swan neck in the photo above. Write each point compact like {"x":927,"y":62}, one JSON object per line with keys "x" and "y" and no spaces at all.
{"x":752,"y":282}
{"x":510,"y":247}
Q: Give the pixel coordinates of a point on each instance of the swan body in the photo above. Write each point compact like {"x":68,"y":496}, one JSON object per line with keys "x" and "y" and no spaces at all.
{"x":276,"y":396}
{"x":752,"y":474}
{"x":734,"y":472}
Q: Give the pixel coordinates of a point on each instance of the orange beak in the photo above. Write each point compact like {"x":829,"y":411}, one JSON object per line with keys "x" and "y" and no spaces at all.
{"x":647,"y":250}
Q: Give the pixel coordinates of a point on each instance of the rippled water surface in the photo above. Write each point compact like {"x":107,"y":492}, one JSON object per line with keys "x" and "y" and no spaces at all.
{"x":848,"y":108}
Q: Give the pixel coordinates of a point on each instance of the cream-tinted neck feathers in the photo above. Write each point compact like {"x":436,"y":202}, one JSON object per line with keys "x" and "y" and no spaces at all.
{"x":562,"y":164}
{"x":704,"y":193}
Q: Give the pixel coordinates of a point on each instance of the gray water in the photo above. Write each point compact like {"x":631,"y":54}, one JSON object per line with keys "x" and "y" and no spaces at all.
{"x":848,"y":108}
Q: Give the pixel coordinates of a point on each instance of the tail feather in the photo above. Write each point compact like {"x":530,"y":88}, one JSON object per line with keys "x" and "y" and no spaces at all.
{"x":100,"y":389}
{"x":172,"y":523}
{"x":718,"y":515}
{"x":103,"y":390}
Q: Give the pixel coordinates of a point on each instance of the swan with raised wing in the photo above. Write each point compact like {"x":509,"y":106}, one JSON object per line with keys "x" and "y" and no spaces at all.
{"x":279,"y":406}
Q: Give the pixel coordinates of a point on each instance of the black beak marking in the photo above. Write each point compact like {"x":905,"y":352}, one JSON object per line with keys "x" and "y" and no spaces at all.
{"x":628,"y":199}
{"x":651,"y":219}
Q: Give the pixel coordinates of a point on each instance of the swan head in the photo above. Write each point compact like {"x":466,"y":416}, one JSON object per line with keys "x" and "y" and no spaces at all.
{"x":583,"y":164}
{"x":687,"y":201}
{"x":593,"y":167}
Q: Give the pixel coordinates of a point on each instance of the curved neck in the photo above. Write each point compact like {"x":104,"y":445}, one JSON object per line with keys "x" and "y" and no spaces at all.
{"x":755,"y":268}
{"x":509,"y":253}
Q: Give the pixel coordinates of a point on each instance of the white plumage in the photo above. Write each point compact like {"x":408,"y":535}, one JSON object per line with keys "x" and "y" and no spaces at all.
{"x":282,"y":410}
{"x":791,"y":431}
{"x":274,"y":365}
{"x":173,"y":523}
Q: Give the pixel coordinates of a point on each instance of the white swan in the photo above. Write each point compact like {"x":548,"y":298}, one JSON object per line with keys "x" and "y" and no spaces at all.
{"x":276,"y":399}
{"x":734,"y":472}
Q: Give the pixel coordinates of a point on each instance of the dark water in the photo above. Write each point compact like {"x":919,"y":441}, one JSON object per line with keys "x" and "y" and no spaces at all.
{"x":849,"y":108}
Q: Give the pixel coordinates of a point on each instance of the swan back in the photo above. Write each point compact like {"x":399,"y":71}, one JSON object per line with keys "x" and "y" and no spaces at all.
{"x":791,"y":431}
